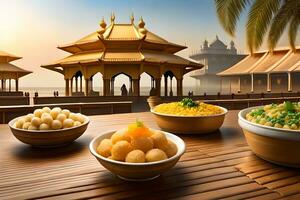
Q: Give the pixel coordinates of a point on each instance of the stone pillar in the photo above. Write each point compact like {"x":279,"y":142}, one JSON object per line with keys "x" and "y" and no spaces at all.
{"x":136,"y":87}
{"x":179,"y":87}
{"x":4,"y":85}
{"x":71,"y":86}
{"x":76,"y":84}
{"x":252,"y":83}
{"x":17,"y":85}
{"x":171,"y":90}
{"x":112,"y":86}
{"x":166,"y":85}
{"x":106,"y":87}
{"x":239,"y":84}
{"x":9,"y":85}
{"x":157,"y":86}
{"x":289,"y":82}
{"x":80,"y":83}
{"x":67,"y":87}
{"x":268,"y":83}
{"x":87,"y":89}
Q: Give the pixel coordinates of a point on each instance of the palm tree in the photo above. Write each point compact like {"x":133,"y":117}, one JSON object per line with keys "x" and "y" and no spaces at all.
{"x":269,"y":17}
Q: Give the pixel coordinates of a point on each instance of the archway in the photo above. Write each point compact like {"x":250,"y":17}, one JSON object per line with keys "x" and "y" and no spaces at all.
{"x":77,"y":84}
{"x":147,"y":84}
{"x":121,"y":84}
{"x":168,"y":83}
{"x":96,"y":84}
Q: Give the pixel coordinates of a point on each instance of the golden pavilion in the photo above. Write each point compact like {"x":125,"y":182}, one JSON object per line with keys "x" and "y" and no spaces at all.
{"x":9,"y":72}
{"x":127,"y":49}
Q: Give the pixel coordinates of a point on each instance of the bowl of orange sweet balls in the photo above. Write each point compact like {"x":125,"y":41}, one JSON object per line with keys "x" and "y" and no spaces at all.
{"x":137,"y":153}
{"x":47,"y":127}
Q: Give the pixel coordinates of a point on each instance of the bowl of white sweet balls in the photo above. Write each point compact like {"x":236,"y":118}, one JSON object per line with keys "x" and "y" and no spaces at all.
{"x":47,"y":127}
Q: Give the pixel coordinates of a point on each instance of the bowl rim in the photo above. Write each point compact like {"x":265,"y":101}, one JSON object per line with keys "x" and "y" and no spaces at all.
{"x":246,"y":111}
{"x":180,"y":151}
{"x":225,"y":111}
{"x":11,"y":123}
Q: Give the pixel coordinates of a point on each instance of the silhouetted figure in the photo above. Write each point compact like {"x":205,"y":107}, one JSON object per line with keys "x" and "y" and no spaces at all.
{"x":124,"y":91}
{"x":153,"y":92}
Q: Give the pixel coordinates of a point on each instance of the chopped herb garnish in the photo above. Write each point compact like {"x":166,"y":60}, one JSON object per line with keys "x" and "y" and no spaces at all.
{"x":187,"y":102}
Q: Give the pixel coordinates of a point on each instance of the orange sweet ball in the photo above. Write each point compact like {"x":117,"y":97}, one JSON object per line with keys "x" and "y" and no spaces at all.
{"x":120,"y":150}
{"x":170,"y":149}
{"x":119,"y":136}
{"x":138,"y":129}
{"x":155,"y":155}
{"x":104,"y":148}
{"x":159,"y":140}
{"x":142,"y":143}
{"x":136,"y":156}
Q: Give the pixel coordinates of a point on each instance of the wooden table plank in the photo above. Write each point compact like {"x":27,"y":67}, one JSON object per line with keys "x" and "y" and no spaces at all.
{"x":207,"y":170}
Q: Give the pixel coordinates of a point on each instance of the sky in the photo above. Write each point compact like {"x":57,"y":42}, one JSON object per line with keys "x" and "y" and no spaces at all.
{"x":34,"y":28}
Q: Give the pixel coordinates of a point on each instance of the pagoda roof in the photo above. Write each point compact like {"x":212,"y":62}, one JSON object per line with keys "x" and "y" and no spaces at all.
{"x":7,"y":57}
{"x":120,"y":33}
{"x":8,"y":67}
{"x":281,"y":60}
{"x":127,"y":57}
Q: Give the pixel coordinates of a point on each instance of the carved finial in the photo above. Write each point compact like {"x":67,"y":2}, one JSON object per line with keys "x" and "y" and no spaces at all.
{"x":217,"y":37}
{"x":102,"y":27}
{"x":132,"y":18}
{"x":112,"y":18}
{"x":141,"y":23}
{"x":102,"y":23}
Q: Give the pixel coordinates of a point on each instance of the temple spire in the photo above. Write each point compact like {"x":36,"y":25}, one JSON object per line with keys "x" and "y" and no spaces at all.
{"x":112,"y":18}
{"x":132,"y":18}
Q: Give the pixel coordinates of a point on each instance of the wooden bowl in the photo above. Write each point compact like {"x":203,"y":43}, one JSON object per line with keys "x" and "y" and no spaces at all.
{"x":189,"y":124}
{"x":48,"y":138}
{"x":137,"y":171}
{"x":277,"y":145}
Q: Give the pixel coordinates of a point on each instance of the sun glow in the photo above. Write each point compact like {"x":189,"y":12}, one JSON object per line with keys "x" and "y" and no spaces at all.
{"x":10,"y":19}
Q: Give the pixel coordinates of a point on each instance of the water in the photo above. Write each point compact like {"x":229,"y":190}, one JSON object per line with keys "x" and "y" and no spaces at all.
{"x":48,"y":91}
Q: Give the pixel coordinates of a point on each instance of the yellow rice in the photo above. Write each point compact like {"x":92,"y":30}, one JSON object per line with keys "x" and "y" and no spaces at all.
{"x":176,"y":108}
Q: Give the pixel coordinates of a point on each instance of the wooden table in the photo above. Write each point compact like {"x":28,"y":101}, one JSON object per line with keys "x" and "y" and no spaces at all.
{"x":218,"y":165}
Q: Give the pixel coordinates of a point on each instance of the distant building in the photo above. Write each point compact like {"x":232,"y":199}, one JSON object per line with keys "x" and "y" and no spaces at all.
{"x":265,"y":71}
{"x":215,"y":57}
{"x":9,"y":72}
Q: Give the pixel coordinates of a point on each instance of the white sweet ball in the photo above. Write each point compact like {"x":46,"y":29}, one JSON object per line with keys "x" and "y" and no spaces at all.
{"x":54,"y":113}
{"x":27,"y":118}
{"x":61,"y":117}
{"x":30,"y":115}
{"x":58,"y":109}
{"x":44,"y":126}
{"x":56,"y":124}
{"x":46,"y":109}
{"x":73,"y":116}
{"x":36,"y":121}
{"x":19,"y":123}
{"x":68,"y":123}
{"x":46,"y":118}
{"x":80,"y":117}
{"x":26,"y":125}
{"x":66,"y":112}
{"x":38,"y":112}
{"x":77,"y":123}
{"x":31,"y":127}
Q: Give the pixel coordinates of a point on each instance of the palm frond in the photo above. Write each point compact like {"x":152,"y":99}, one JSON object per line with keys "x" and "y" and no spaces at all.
{"x":295,"y":22}
{"x":259,"y":18}
{"x":229,"y":11}
{"x":280,"y":21}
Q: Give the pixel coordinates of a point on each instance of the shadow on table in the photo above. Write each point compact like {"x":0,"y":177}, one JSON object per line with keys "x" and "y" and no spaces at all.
{"x":27,"y":152}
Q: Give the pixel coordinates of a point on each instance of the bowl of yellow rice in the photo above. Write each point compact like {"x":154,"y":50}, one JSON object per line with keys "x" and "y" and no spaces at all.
{"x":189,"y":117}
{"x":273,"y":132}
